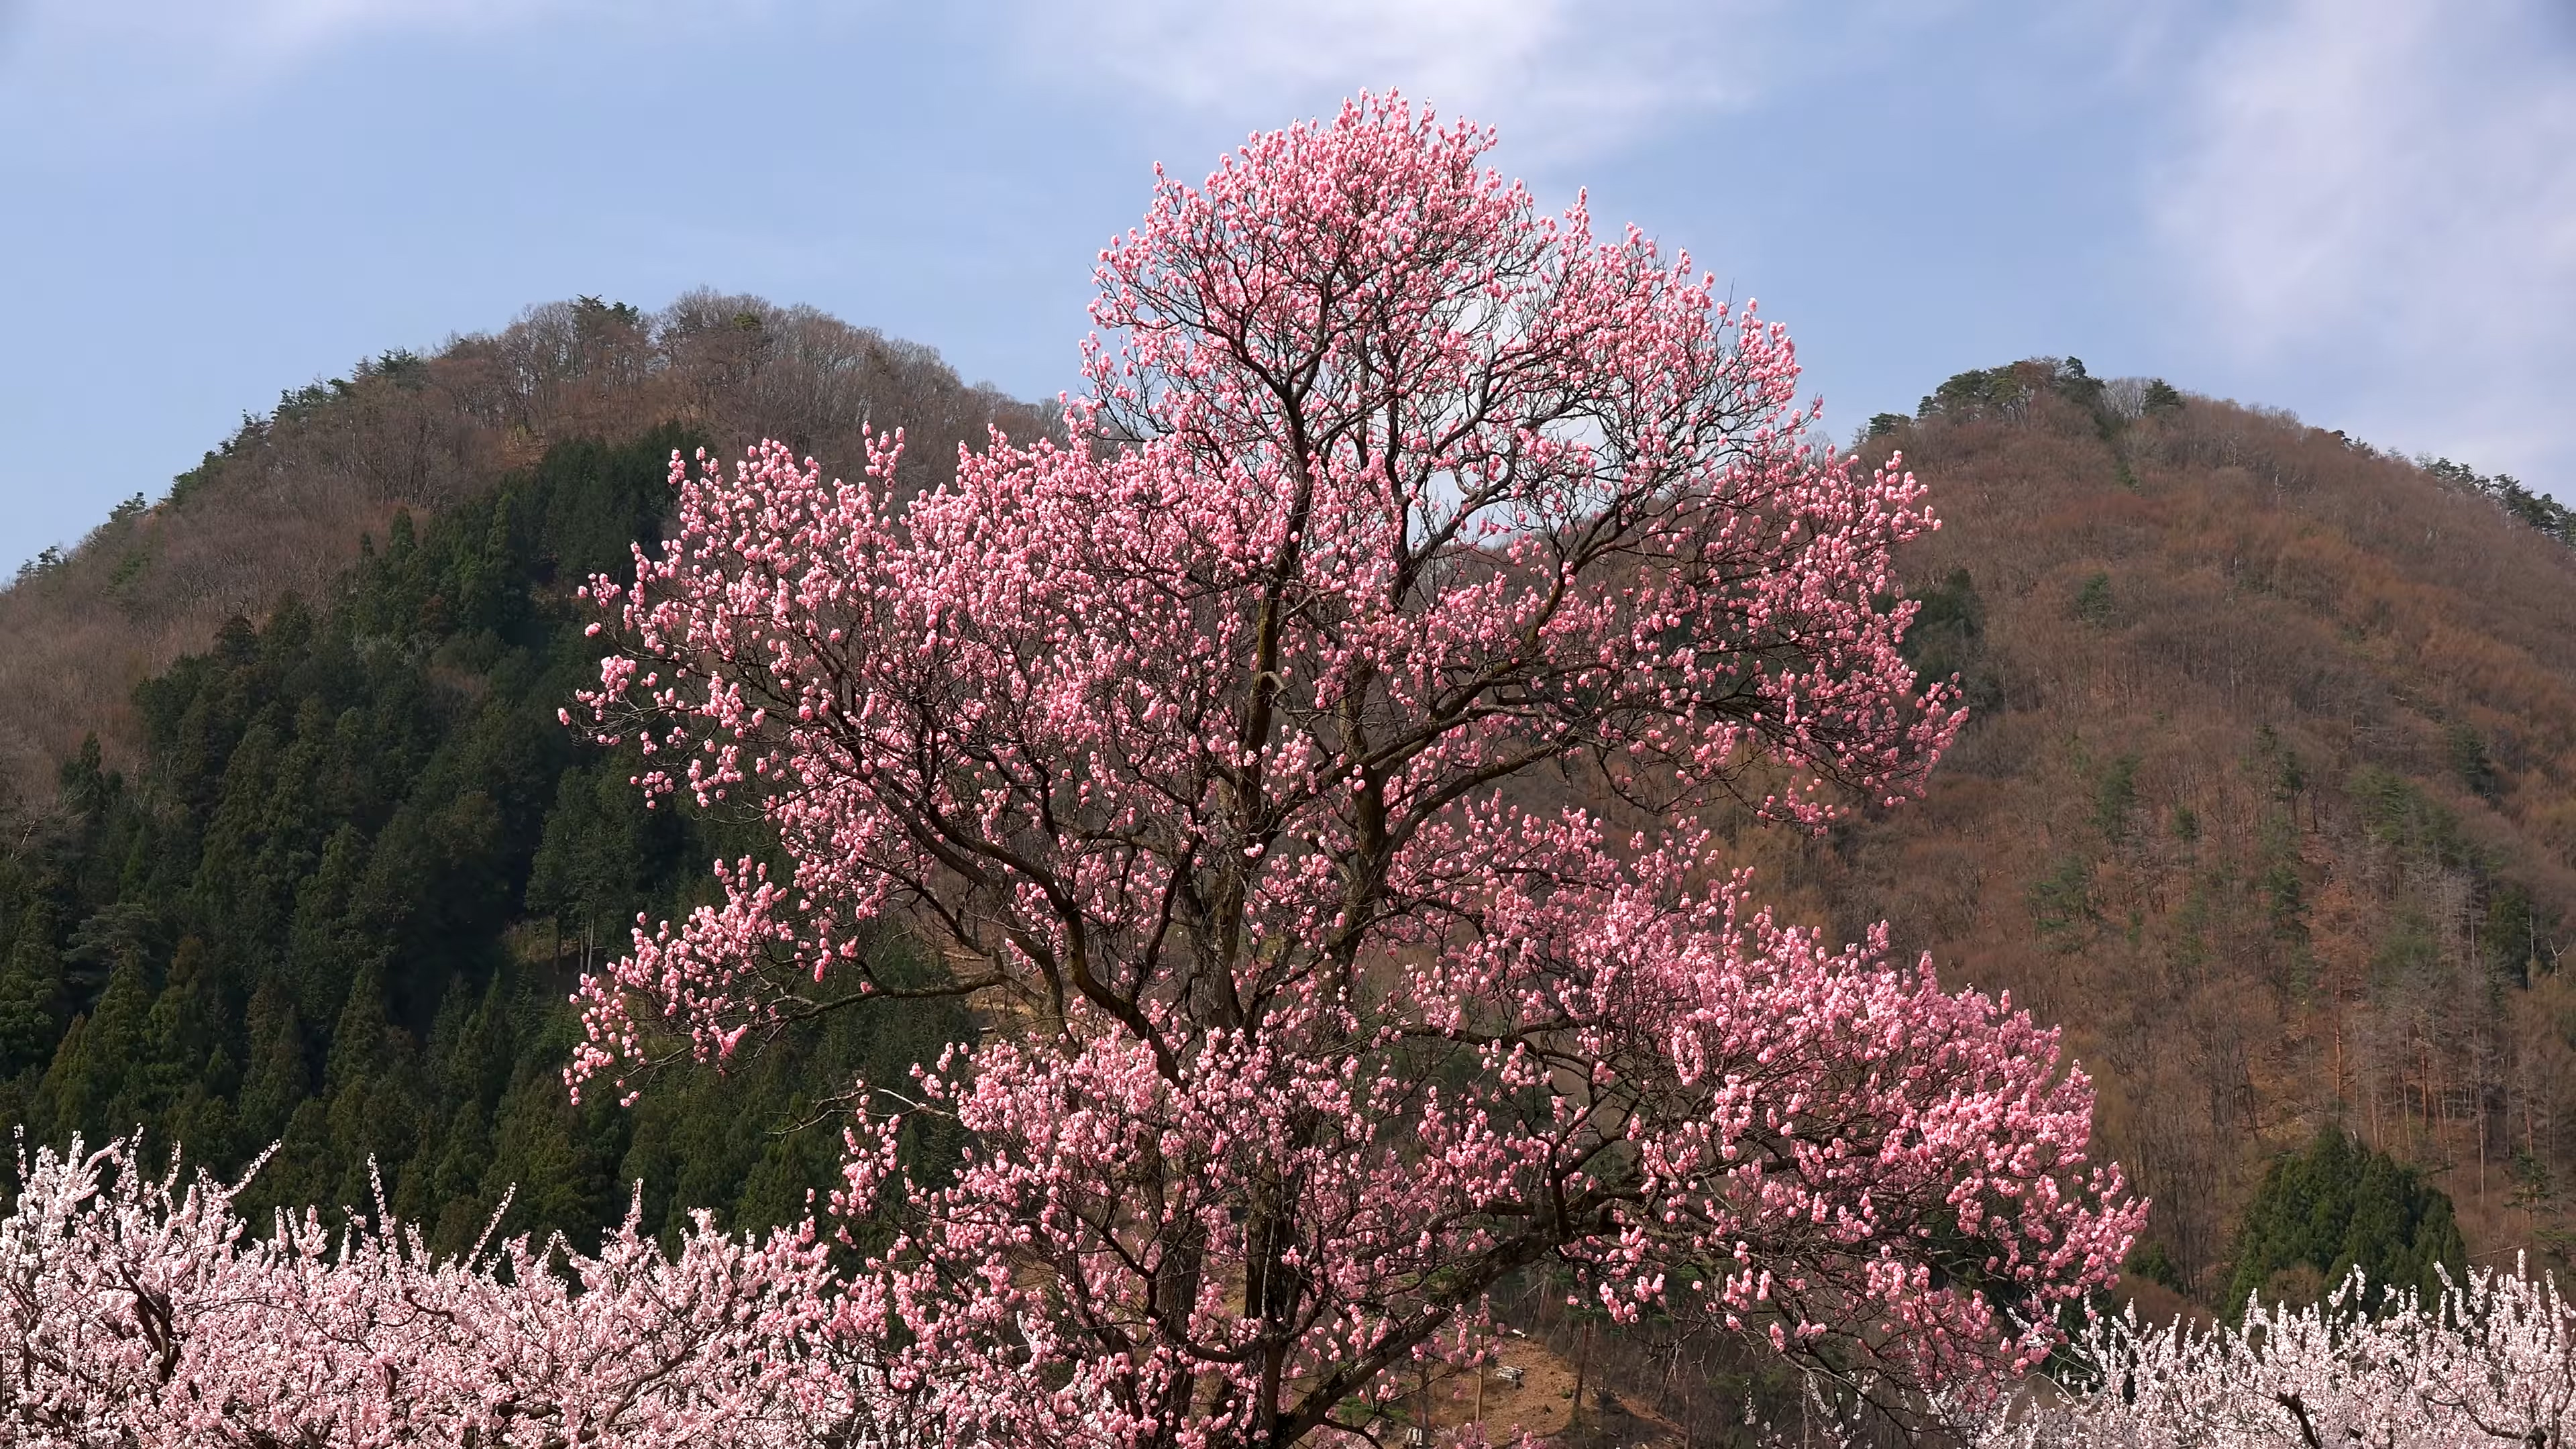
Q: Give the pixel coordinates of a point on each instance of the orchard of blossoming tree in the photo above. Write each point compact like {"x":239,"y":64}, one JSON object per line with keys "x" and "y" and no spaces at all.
{"x":142,"y":1312}
{"x":139,"y":1313}
{"x":1299,"y":772}
{"x":2487,"y":1360}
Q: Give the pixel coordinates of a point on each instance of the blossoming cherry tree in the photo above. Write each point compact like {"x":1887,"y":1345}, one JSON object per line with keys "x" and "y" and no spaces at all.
{"x":1299,"y":763}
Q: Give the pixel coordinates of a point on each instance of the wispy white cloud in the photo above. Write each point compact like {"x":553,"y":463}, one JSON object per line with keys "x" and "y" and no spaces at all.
{"x":219,"y":32}
{"x":131,"y":64}
{"x":1562,"y":76}
{"x":72,"y":69}
{"x":2386,"y":190}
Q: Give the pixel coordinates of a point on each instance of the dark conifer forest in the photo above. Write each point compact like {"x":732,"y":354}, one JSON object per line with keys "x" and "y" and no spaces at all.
{"x":338,"y":898}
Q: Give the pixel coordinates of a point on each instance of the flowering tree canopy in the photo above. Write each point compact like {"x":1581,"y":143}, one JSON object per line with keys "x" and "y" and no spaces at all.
{"x":141,"y":1314}
{"x":1299,"y":764}
{"x":2492,"y":1360}
{"x":144,"y":1315}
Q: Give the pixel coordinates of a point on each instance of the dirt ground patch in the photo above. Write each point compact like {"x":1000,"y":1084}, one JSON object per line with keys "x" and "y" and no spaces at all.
{"x":1540,"y":1404}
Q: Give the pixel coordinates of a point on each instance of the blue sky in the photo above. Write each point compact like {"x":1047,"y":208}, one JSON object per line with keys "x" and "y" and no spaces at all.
{"x":2361,"y":210}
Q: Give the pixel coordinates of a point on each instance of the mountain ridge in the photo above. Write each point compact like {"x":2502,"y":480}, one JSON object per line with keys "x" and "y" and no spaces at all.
{"x":280,"y":506}
{"x":2275,"y":808}
{"x":2270,"y":780}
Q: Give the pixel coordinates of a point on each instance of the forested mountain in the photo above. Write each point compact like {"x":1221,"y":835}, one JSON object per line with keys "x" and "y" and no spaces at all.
{"x":280,"y":506}
{"x":340,"y":901}
{"x":327,"y":877}
{"x":2269,"y":794}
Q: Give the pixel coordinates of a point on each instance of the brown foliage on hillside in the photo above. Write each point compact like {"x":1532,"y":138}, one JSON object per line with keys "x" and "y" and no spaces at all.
{"x":2270,"y":797}
{"x":282,"y":506}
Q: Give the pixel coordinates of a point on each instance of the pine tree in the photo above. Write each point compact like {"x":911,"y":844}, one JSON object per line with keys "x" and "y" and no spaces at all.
{"x":31,"y":990}
{"x":2337,"y":1206}
{"x":276,"y":1079}
{"x":88,"y":1084}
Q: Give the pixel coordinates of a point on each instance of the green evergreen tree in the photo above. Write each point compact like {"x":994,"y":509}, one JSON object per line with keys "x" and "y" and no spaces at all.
{"x":89,"y":1087}
{"x":372,"y":1089}
{"x":276,"y":1079}
{"x":591,"y":868}
{"x":184,"y":1035}
{"x":326,"y":945}
{"x":31,"y":993}
{"x":2337,"y":1206}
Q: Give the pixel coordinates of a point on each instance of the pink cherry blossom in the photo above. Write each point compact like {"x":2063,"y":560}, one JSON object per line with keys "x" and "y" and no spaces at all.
{"x":1299,"y":765}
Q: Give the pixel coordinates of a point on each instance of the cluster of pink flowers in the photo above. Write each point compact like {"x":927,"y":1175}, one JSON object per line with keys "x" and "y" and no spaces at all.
{"x":144,"y":1314}
{"x":1253,"y":757}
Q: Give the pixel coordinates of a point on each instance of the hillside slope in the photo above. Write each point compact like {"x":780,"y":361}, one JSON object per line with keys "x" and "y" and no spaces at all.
{"x":281,"y":505}
{"x":302,"y":853}
{"x":2269,"y":797}
{"x":341,"y":899}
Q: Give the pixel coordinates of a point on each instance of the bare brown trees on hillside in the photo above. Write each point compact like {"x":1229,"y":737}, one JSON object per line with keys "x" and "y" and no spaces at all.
{"x":2272,"y":808}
